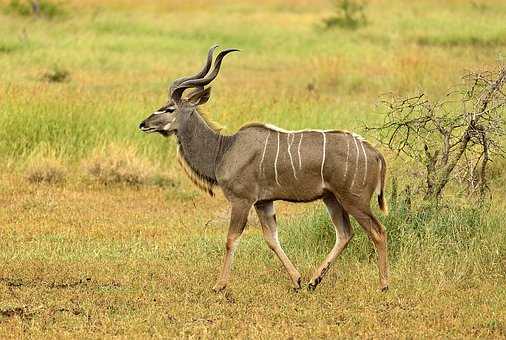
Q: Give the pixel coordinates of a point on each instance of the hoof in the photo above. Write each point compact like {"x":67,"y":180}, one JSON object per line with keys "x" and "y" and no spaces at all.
{"x":219,"y":287}
{"x":313,"y":283}
{"x":384,"y":289}
{"x":298,"y":285}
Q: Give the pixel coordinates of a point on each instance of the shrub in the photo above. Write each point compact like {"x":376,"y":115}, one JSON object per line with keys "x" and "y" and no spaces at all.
{"x":118,"y":164}
{"x":453,"y":139}
{"x":181,"y":193}
{"x":38,"y":8}
{"x":349,"y":14}
{"x":460,"y":40}
{"x":47,"y":170}
{"x":9,"y":46}
{"x":162,"y":181}
{"x":56,"y":75}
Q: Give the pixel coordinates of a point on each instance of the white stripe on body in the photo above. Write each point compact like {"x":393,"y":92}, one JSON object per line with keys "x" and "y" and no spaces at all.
{"x":261,"y":165}
{"x":289,"y":153}
{"x":298,"y":150}
{"x":356,"y":162}
{"x":276,"y":163}
{"x":347,"y":157}
{"x":365,"y":162}
{"x":323,"y":156}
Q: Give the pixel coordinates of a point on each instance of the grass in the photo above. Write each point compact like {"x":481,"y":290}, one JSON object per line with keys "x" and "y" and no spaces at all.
{"x":120,"y":261}
{"x":45,"y":170}
{"x":118,"y":165}
{"x":84,"y":259}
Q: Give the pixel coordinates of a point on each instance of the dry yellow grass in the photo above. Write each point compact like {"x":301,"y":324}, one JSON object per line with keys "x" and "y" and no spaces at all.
{"x":118,"y":164}
{"x":45,"y":170}
{"x":94,"y":261}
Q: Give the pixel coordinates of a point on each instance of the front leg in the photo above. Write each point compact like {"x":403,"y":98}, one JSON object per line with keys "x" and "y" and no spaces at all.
{"x":238,"y":219}
{"x":267,"y":217}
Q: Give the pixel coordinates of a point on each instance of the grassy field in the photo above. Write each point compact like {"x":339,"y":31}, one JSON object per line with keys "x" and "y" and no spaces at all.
{"x":132,"y":249}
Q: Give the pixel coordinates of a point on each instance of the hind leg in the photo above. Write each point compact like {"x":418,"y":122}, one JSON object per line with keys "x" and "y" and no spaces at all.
{"x":344,"y":233}
{"x":377,"y":234}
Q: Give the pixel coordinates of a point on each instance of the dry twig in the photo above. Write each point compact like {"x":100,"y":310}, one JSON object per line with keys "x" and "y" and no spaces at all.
{"x":454,"y":138}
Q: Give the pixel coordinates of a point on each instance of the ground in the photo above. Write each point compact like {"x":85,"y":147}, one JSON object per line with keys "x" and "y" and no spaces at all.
{"x":94,"y":261}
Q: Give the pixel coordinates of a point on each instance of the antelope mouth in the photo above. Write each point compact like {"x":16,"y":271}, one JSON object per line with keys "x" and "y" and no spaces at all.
{"x":164,"y":133}
{"x":147,"y":129}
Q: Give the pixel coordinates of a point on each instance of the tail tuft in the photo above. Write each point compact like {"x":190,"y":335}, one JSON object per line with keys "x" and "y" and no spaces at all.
{"x":382,"y":203}
{"x":381,"y":190}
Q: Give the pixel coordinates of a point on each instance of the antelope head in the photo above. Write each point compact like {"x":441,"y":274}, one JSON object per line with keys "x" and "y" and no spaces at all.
{"x":168,"y":118}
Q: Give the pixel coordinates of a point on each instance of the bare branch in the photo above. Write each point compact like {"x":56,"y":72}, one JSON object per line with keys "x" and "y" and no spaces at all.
{"x":458,"y":134}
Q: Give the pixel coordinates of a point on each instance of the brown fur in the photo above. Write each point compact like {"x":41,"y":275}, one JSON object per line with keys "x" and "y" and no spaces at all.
{"x":262,"y":163}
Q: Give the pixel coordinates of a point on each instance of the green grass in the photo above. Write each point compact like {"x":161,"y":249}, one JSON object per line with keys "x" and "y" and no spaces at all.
{"x":84,"y":259}
{"x":120,"y":64}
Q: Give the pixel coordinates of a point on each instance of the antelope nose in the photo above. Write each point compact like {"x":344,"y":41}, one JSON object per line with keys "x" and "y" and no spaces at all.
{"x":142,"y":125}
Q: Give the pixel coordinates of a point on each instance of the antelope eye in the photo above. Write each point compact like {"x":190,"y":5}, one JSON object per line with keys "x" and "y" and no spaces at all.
{"x":165,"y":109}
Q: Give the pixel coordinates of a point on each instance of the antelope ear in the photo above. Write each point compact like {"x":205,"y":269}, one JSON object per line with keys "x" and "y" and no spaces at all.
{"x":200,"y":96}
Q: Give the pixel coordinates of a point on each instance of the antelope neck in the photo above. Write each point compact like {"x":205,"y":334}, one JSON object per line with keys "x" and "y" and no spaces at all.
{"x":201,"y":146}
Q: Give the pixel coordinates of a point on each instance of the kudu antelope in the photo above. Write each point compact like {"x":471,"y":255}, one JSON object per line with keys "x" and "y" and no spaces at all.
{"x":261,"y":164}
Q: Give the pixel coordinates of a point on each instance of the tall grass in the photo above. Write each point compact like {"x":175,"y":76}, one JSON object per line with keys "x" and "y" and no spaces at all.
{"x":452,"y":242}
{"x":455,"y":241}
{"x":43,"y":166}
{"x":120,"y":65}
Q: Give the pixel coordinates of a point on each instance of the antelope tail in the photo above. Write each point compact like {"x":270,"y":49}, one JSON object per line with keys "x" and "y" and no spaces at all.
{"x":380,"y":189}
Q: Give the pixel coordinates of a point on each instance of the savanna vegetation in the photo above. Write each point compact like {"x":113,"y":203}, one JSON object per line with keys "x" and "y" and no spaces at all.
{"x":101,"y":233}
